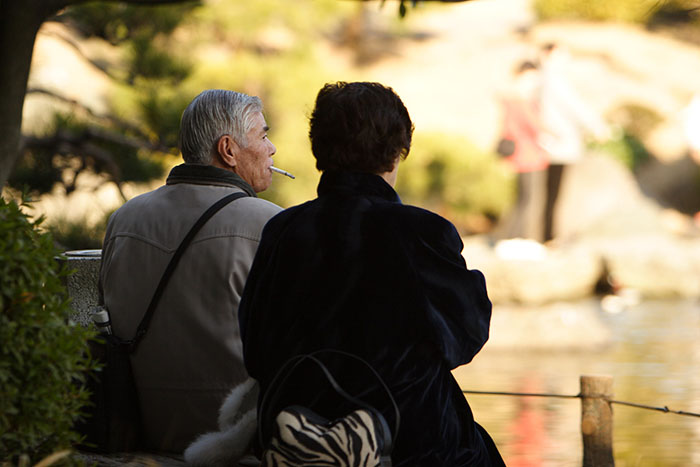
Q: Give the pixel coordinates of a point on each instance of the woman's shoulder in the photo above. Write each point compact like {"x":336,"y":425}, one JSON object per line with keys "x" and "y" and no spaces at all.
{"x":416,"y":220}
{"x":405,"y":219}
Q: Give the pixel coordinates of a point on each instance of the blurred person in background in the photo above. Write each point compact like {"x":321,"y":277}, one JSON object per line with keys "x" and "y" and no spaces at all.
{"x":191,"y":356}
{"x":358,"y":271}
{"x":566,"y":120}
{"x":691,"y":124}
{"x":521,"y":125}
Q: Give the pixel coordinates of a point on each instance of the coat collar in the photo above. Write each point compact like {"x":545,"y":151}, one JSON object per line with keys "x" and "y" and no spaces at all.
{"x":207,"y":175}
{"x":357,"y":183}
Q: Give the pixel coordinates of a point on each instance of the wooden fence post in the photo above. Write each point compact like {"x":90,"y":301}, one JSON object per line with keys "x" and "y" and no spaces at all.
{"x":596,"y":421}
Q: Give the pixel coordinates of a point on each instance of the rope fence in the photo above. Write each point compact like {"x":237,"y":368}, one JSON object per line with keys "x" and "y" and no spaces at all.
{"x":664,"y":409}
{"x":596,"y":415}
{"x":524,"y":394}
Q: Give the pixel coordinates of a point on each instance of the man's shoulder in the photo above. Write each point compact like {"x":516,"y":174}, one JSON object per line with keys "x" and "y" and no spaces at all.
{"x":176,"y":205}
{"x":261,"y":205}
{"x":136,"y":205}
{"x":255,"y":210}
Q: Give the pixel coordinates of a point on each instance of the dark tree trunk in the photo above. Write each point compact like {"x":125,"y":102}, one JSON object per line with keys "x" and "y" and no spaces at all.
{"x":19,"y":23}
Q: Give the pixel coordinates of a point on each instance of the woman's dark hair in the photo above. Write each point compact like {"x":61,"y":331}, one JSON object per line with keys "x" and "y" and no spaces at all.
{"x":362,"y":127}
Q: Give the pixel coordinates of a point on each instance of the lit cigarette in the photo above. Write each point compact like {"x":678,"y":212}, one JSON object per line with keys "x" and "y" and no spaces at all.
{"x":283,"y":172}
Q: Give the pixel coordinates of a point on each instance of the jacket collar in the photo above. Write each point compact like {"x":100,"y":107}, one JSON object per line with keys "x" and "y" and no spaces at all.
{"x":357,"y":183}
{"x":207,"y":175}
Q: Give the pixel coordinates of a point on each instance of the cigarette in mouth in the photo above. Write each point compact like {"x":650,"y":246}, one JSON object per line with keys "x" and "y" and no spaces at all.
{"x":283,"y":172}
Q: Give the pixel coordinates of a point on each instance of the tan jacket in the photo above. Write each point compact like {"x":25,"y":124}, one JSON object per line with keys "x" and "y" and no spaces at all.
{"x":191,"y":356}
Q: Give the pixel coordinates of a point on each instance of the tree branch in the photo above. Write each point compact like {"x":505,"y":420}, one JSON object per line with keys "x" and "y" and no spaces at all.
{"x":118,"y":138}
{"x":62,"y":135}
{"x":104,"y":156}
{"x":67,"y":143}
{"x":102,"y":68}
{"x":141,"y":141}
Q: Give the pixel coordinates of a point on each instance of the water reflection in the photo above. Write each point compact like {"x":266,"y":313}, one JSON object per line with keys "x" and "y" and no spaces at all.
{"x":654,"y":357}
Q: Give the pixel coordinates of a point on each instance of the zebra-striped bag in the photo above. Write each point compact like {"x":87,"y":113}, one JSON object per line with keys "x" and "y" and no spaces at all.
{"x":301,"y":437}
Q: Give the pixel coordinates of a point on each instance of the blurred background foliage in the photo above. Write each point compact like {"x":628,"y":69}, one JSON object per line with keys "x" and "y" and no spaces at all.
{"x":633,"y":123}
{"x":448,"y":174}
{"x":130,"y":143}
{"x":157,"y":58}
{"x":69,"y":234}
{"x":678,"y":18}
{"x":635,"y":11}
{"x":268,"y":48}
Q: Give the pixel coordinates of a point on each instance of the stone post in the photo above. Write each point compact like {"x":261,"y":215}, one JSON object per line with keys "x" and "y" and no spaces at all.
{"x":82,"y":284}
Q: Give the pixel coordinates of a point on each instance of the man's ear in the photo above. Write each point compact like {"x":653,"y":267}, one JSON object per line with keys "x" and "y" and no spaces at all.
{"x":227,"y":150}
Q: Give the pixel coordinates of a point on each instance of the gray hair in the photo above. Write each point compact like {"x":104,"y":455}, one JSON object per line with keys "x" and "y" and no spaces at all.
{"x":212,"y":114}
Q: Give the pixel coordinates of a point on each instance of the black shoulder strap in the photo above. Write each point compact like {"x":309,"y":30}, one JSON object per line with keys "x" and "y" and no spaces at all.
{"x":146,"y":320}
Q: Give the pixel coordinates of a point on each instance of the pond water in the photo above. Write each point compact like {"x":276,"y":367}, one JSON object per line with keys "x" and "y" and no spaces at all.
{"x":654,"y":358}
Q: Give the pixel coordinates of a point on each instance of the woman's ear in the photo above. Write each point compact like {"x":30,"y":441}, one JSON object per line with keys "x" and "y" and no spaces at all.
{"x":227,"y":151}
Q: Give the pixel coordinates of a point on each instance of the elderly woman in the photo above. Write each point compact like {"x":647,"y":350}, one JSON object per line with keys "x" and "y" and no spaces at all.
{"x":358,"y":271}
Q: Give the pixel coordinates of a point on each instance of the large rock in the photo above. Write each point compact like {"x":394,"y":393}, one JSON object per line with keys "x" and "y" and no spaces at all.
{"x":603,"y":211}
{"x":600,"y":197}
{"x":675,"y":184}
{"x":524,"y":272}
{"x":652,"y":264}
{"x":657,"y":265}
{"x":605,"y":225}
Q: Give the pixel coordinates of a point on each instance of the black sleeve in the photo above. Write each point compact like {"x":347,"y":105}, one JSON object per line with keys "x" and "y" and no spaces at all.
{"x":457,"y":307}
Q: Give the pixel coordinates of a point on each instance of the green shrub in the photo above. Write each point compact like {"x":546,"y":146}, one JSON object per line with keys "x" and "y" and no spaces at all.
{"x":680,"y":17}
{"x":636,"y":119}
{"x":635,"y":122}
{"x":42,"y":354}
{"x":635,"y":11}
{"x":77,"y":234}
{"x":448,"y":174}
{"x":626,"y":148}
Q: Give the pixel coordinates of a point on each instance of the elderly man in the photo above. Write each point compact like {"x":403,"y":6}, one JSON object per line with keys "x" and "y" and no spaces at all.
{"x":191,"y":356}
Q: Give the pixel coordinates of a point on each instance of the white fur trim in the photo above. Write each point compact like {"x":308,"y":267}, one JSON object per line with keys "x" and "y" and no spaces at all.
{"x":230,"y":410}
{"x":223,"y":448}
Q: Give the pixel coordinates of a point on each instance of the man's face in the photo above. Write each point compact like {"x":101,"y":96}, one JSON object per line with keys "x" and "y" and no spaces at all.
{"x":253,"y":162}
